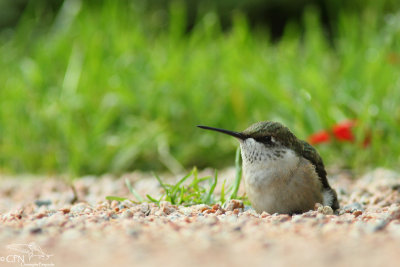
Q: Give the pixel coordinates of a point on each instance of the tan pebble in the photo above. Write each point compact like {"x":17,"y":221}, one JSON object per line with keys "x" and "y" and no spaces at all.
{"x":114,"y":204}
{"x":166,"y":207}
{"x":101,"y":207}
{"x":327,"y":210}
{"x":265,"y":214}
{"x":317,"y":206}
{"x":375,"y":200}
{"x":127,"y":214}
{"x":164,"y":204}
{"x":127,"y":203}
{"x":185,"y":211}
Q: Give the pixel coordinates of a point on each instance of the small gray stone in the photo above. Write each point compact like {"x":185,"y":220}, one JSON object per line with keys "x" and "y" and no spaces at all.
{"x":40,"y":203}
{"x":353,"y":207}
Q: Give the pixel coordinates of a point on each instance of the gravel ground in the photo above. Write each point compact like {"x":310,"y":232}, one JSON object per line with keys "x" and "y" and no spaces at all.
{"x":37,"y":217}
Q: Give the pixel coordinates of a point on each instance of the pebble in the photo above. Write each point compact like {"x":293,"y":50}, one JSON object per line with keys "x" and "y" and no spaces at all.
{"x":126,"y":204}
{"x":353,"y":207}
{"x":40,"y":203}
{"x":205,"y":232}
{"x":234,"y":204}
{"x":126,"y":214}
{"x":78,"y":208}
{"x":326,"y":210}
{"x":65,"y":210}
{"x":36,"y":230}
{"x":185,"y":210}
{"x":114,"y":204}
{"x":357,"y":213}
{"x":145,"y":208}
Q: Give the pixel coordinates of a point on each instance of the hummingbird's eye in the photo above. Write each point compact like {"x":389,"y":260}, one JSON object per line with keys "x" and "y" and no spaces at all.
{"x":267,"y":139}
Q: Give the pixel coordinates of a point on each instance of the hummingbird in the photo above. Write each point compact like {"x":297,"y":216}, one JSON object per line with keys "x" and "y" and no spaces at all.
{"x":282,"y":174}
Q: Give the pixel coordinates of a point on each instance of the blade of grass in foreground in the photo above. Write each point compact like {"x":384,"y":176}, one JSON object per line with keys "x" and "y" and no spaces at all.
{"x":120,"y":199}
{"x":222,"y":195}
{"x":153,"y":199}
{"x":133,"y":191}
{"x":238,"y":177}
{"x":161,"y":183}
{"x":212,"y":188}
{"x":178,"y":184}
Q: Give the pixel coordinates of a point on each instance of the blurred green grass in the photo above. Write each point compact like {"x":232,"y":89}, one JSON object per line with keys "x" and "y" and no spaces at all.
{"x":106,"y":89}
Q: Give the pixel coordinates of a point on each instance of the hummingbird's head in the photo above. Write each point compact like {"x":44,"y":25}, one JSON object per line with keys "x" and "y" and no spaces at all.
{"x":262,"y":141}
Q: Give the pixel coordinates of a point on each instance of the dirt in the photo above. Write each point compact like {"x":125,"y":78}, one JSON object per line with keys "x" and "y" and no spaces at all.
{"x":40,"y":227}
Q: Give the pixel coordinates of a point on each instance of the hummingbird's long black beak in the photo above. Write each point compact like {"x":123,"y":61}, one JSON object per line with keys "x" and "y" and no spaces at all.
{"x":231,"y":133}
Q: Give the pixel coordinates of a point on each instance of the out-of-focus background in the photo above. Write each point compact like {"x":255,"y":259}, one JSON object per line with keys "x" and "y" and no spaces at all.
{"x":91,"y":87}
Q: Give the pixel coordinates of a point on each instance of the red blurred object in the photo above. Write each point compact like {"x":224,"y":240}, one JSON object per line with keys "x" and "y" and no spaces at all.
{"x":342,"y":131}
{"x":319,"y":137}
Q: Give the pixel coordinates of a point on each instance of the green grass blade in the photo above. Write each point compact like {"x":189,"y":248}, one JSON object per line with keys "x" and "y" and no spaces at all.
{"x":133,"y":191}
{"x":238,"y":177}
{"x":168,"y":192}
{"x":178,"y":184}
{"x":161,"y":183}
{"x":153,"y":199}
{"x":212,"y":188}
{"x":204,"y":179}
{"x":222,"y":197}
{"x":120,"y":199}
